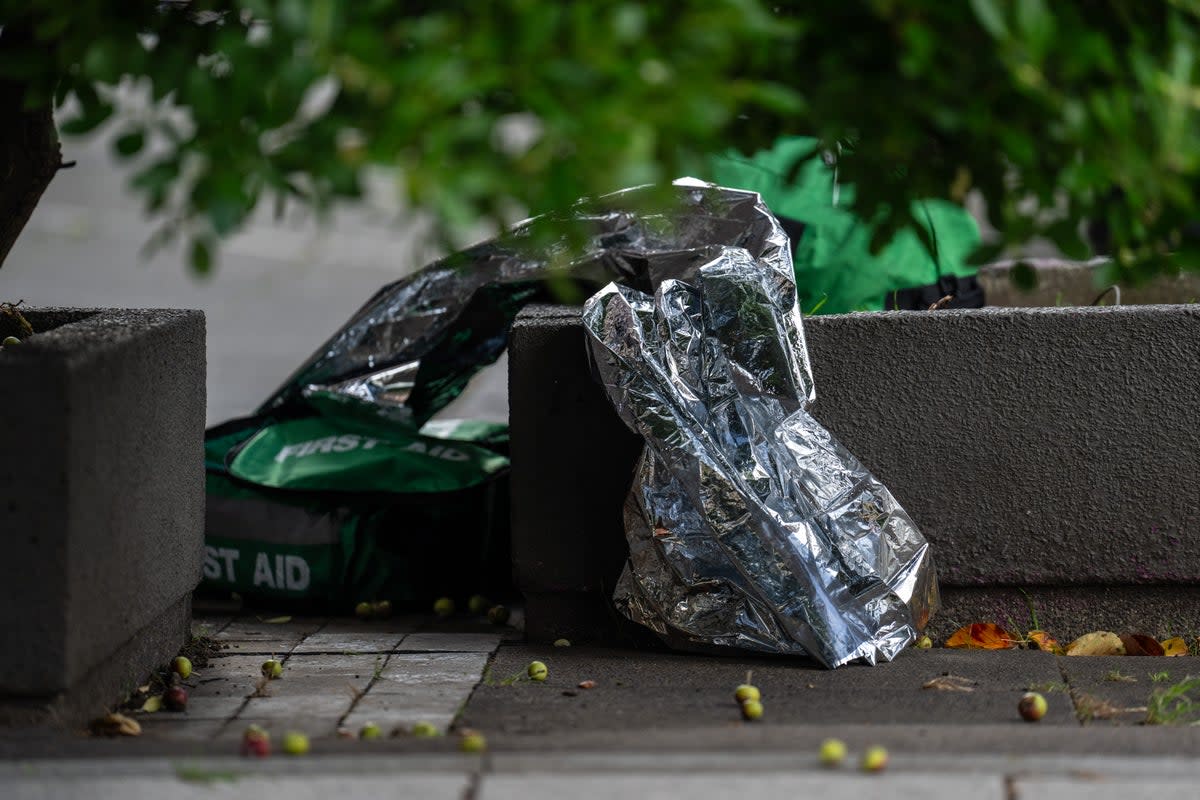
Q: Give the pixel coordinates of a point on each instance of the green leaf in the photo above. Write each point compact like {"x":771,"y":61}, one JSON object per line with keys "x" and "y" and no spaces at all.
{"x":201,"y":257}
{"x":1036,"y":24}
{"x":225,"y":214}
{"x":86,"y":122}
{"x":129,"y":144}
{"x":1023,"y":276}
{"x":990,"y":17}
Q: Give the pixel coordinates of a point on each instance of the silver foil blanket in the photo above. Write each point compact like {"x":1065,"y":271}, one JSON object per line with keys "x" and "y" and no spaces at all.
{"x":748,"y":524}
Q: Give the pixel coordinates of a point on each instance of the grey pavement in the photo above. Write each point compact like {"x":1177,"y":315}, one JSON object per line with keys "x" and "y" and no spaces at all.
{"x":655,"y":724}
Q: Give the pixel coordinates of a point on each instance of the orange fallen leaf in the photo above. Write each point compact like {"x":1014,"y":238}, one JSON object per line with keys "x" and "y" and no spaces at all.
{"x":1097,"y":643}
{"x":982,"y":636}
{"x":588,"y":684}
{"x":1138,"y":644}
{"x":1174,"y":646}
{"x":1044,"y":642}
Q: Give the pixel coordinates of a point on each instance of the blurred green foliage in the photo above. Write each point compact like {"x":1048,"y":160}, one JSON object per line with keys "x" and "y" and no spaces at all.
{"x":1055,"y":112}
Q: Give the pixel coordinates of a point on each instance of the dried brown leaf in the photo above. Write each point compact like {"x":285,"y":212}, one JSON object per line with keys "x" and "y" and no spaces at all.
{"x":950,"y":683}
{"x":116,"y":725}
{"x":1097,"y":643}
{"x":1138,"y":644}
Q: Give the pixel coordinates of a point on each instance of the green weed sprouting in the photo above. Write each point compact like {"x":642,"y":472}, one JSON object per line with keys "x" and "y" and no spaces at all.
{"x":1175,"y":704}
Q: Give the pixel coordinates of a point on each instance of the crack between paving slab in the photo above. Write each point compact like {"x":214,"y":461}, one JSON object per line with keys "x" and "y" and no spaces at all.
{"x":246,"y":700}
{"x":483,"y":678}
{"x":379,"y":668}
{"x":1062,"y":670}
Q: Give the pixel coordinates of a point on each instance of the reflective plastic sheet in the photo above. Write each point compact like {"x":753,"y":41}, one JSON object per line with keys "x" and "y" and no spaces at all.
{"x":748,"y":525}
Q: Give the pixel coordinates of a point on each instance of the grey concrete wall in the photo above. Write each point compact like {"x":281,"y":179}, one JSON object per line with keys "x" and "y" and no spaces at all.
{"x":572,"y":462}
{"x":101,"y":488}
{"x":1037,"y":446}
{"x":1033,"y":446}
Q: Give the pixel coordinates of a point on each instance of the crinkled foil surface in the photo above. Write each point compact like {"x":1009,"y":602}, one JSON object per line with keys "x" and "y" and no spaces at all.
{"x":748,"y":525}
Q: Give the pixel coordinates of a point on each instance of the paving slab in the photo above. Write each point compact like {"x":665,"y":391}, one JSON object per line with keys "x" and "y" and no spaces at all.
{"x":326,"y":707}
{"x":451,"y":642}
{"x":253,"y":628}
{"x":206,"y":708}
{"x":405,"y":670}
{"x":349,"y":642}
{"x":316,"y":665}
{"x":402,"y":705}
{"x":301,"y":686}
{"x":275,"y":646}
{"x":226,"y":676}
{"x":180,"y":730}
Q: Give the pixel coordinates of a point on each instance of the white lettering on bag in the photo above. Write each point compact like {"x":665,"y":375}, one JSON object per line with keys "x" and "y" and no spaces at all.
{"x":345,"y":443}
{"x":262,"y":572}
{"x":213,"y":556}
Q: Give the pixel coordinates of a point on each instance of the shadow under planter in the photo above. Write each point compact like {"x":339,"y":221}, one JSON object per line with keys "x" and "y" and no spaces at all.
{"x":101,"y":504}
{"x":1043,"y":452}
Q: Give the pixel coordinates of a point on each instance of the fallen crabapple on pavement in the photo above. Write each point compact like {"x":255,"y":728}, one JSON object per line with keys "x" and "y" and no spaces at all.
{"x":832,"y":753}
{"x":874,"y":759}
{"x":256,"y":742}
{"x":1032,"y":706}
{"x":472,"y":741}
{"x":175,"y":698}
{"x":294,"y":743}
{"x":182,"y":666}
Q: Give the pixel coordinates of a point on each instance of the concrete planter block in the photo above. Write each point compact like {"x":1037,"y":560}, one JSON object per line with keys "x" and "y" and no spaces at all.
{"x":1048,"y":448}
{"x":1080,"y":283}
{"x":101,"y":504}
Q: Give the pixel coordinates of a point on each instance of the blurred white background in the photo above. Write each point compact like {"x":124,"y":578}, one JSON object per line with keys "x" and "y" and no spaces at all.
{"x":279,"y":290}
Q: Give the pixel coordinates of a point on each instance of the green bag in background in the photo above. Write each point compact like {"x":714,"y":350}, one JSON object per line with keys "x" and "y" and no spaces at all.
{"x":835,"y":269}
{"x":321,"y":513}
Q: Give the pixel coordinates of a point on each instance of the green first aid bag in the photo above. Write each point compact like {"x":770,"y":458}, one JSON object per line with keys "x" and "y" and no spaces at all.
{"x":319,"y":513}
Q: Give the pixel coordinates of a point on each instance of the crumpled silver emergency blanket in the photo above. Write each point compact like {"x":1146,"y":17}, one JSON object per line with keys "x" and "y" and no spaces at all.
{"x":748,"y":525}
